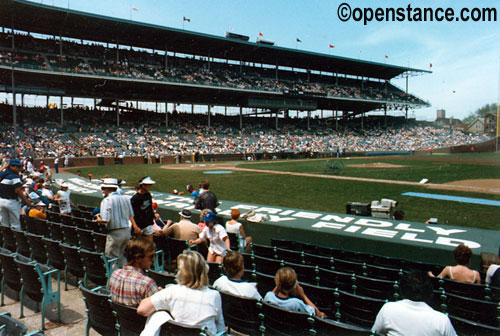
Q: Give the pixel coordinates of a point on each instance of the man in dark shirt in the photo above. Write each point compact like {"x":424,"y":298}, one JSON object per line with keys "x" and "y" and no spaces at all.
{"x":142,"y":203}
{"x":10,"y":191}
{"x":206,"y":199}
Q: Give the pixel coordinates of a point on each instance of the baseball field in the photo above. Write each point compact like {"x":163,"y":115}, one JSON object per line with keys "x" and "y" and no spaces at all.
{"x":327,"y":185}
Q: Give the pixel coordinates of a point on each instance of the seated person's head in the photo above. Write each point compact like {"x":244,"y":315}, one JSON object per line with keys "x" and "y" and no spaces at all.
{"x":192,"y":270}
{"x":233,"y":264}
{"x":205,"y":185}
{"x":235,"y":214}
{"x":462,"y":254}
{"x":416,"y":286}
{"x":140,"y":252}
{"x":399,"y":215}
{"x":285,"y":280}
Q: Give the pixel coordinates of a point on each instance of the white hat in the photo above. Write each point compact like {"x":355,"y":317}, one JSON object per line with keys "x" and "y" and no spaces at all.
{"x":40,"y":204}
{"x":122,"y":182}
{"x":109,"y":183}
{"x":64,"y":185}
{"x":147,"y":180}
{"x":47,"y":183}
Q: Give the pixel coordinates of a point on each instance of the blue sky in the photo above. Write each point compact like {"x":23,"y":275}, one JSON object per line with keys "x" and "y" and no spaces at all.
{"x":465,"y":56}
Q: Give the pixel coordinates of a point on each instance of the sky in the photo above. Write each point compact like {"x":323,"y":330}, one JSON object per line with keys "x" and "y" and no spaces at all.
{"x":465,"y":56}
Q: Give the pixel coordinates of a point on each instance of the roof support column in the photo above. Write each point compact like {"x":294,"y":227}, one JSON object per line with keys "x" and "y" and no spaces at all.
{"x":308,"y":119}
{"x":276,"y":115}
{"x":61,"y":109}
{"x":363,"y":121}
{"x":241,"y":118}
{"x":14,"y":112}
{"x":72,"y":101}
{"x":336,"y":120}
{"x":209,"y":115}
{"x":406,"y":106}
{"x":117,"y":53}
{"x":48,"y":97}
{"x":192,"y":108}
{"x":385,"y":115}
{"x":117,"y":109}
{"x":166,"y":114}
{"x":166,"y":59}
{"x":225,"y":111}
{"x":60,"y":45}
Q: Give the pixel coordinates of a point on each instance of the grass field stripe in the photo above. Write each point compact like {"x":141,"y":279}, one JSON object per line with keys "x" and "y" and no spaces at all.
{"x":472,"y":200}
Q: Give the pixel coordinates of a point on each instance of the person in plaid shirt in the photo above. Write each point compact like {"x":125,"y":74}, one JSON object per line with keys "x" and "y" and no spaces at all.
{"x":129,"y":285}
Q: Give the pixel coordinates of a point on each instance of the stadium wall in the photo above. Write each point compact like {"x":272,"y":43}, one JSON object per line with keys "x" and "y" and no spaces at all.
{"x":401,"y":239}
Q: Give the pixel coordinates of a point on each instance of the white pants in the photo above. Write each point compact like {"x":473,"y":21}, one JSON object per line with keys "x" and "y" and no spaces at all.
{"x":116,"y":242}
{"x":10,"y":210}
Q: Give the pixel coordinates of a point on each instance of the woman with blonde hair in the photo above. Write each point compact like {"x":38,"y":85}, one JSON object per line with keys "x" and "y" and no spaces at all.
{"x":190,"y":301}
{"x":460,"y":272}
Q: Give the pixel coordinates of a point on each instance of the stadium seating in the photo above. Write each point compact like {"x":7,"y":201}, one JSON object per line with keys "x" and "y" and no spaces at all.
{"x":326,"y":327}
{"x":131,"y":324}
{"x":279,"y":321}
{"x":161,"y":278}
{"x":356,"y":309}
{"x":38,"y":252}
{"x":37,"y":285}
{"x":9,"y":326}
{"x":174,"y":328}
{"x":11,"y":276}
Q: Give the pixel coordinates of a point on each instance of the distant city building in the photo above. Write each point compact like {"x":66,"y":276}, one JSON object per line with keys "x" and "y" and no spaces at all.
{"x":440,"y":114}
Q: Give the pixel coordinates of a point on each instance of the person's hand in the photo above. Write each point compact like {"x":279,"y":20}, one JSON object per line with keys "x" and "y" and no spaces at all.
{"x":137,"y":231}
{"x":431,"y":274}
{"x":320,"y":313}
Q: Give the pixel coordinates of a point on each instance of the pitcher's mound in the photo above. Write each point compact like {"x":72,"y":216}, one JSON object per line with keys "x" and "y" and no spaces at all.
{"x":376,"y":165}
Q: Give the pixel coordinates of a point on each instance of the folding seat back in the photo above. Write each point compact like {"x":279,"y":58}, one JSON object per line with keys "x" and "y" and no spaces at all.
{"x":9,"y":240}
{"x":242,"y":314}
{"x":356,"y":309}
{"x":23,"y":247}
{"x":264,"y":251}
{"x":100,"y":314}
{"x":279,"y":321}
{"x":334,"y":279}
{"x":86,"y":240}
{"x":162,"y":279}
{"x":326,"y":327}
{"x":38,"y":251}
{"x":174,"y":328}
{"x":11,"y":276}
{"x":296,"y":257}
{"x":131,"y":323}
{"x":9,"y":326}
{"x":267,"y":265}
{"x":375,"y":288}
{"x":97,"y":267}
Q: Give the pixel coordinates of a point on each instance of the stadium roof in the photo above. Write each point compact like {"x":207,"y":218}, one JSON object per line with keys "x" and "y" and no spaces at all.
{"x":39,"y":18}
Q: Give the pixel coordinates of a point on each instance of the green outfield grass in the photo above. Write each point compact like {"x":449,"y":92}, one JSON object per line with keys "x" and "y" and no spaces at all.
{"x":414,"y":168}
{"x":315,"y":193}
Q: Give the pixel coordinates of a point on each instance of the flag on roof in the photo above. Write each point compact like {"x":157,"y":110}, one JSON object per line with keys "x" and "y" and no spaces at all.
{"x":186,"y":19}
{"x":261,"y":35}
{"x":298,"y":40}
{"x":331,"y":46}
{"x":430,"y":65}
{"x":386,"y":56}
{"x":135,"y":9}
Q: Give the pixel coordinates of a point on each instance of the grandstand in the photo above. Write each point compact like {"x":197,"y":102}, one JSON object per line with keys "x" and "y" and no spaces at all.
{"x":83,"y":55}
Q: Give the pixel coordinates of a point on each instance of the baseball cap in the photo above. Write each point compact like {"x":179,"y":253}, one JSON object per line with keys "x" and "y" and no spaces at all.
{"x":209,"y":217}
{"x":64,"y":185}
{"x":15,"y":162}
{"x":40,"y":204}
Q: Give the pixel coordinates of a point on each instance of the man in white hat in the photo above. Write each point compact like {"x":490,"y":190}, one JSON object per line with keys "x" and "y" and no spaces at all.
{"x":63,"y":198}
{"x":116,"y":211}
{"x":39,"y":211}
{"x":184,"y":229}
{"x":142,"y":203}
{"x":47,"y":192}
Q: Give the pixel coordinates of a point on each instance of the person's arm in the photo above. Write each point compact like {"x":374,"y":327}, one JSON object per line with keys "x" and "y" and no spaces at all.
{"x":299,"y":291}
{"x":146,"y":307}
{"x":19,"y":191}
{"x":242,"y":231}
{"x":219,"y":318}
{"x":137,"y":229}
{"x":196,"y":242}
{"x":478,"y":277}
{"x":228,"y":243}
{"x":444,"y":273}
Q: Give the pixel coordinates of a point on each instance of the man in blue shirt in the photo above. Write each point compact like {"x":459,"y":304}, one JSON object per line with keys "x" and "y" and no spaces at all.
{"x":10,"y":192}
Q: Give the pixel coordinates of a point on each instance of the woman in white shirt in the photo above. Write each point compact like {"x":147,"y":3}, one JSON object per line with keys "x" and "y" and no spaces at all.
{"x":190,"y":301}
{"x":233,"y":226}
{"x":217,"y":235}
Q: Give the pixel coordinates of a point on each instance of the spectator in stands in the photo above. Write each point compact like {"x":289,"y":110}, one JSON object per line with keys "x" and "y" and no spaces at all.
{"x":190,"y":301}
{"x":56,"y":164}
{"x":231,"y":283}
{"x":116,"y":211}
{"x":129,"y":285}
{"x":206,"y":199}
{"x":47,"y":192}
{"x":10,"y":191}
{"x":412,"y":316}
{"x":287,"y":286}
{"x":216,"y":235}
{"x":233,"y":226}
{"x":39,"y":211}
{"x":63,"y":198}
{"x":460,"y":272}
{"x":398,"y":215}
{"x":184,"y":229}
{"x":202,"y":225}
{"x":142,"y":203}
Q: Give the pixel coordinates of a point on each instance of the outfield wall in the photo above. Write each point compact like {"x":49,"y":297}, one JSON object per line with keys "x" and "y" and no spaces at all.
{"x":402,"y":239}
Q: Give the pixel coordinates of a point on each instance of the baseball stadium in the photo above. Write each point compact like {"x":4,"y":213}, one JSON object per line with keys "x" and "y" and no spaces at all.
{"x":322,"y":155}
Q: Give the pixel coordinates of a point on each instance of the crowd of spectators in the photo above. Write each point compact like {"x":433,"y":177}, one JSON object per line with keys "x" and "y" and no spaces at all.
{"x":188,"y":134}
{"x":96,"y":59}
